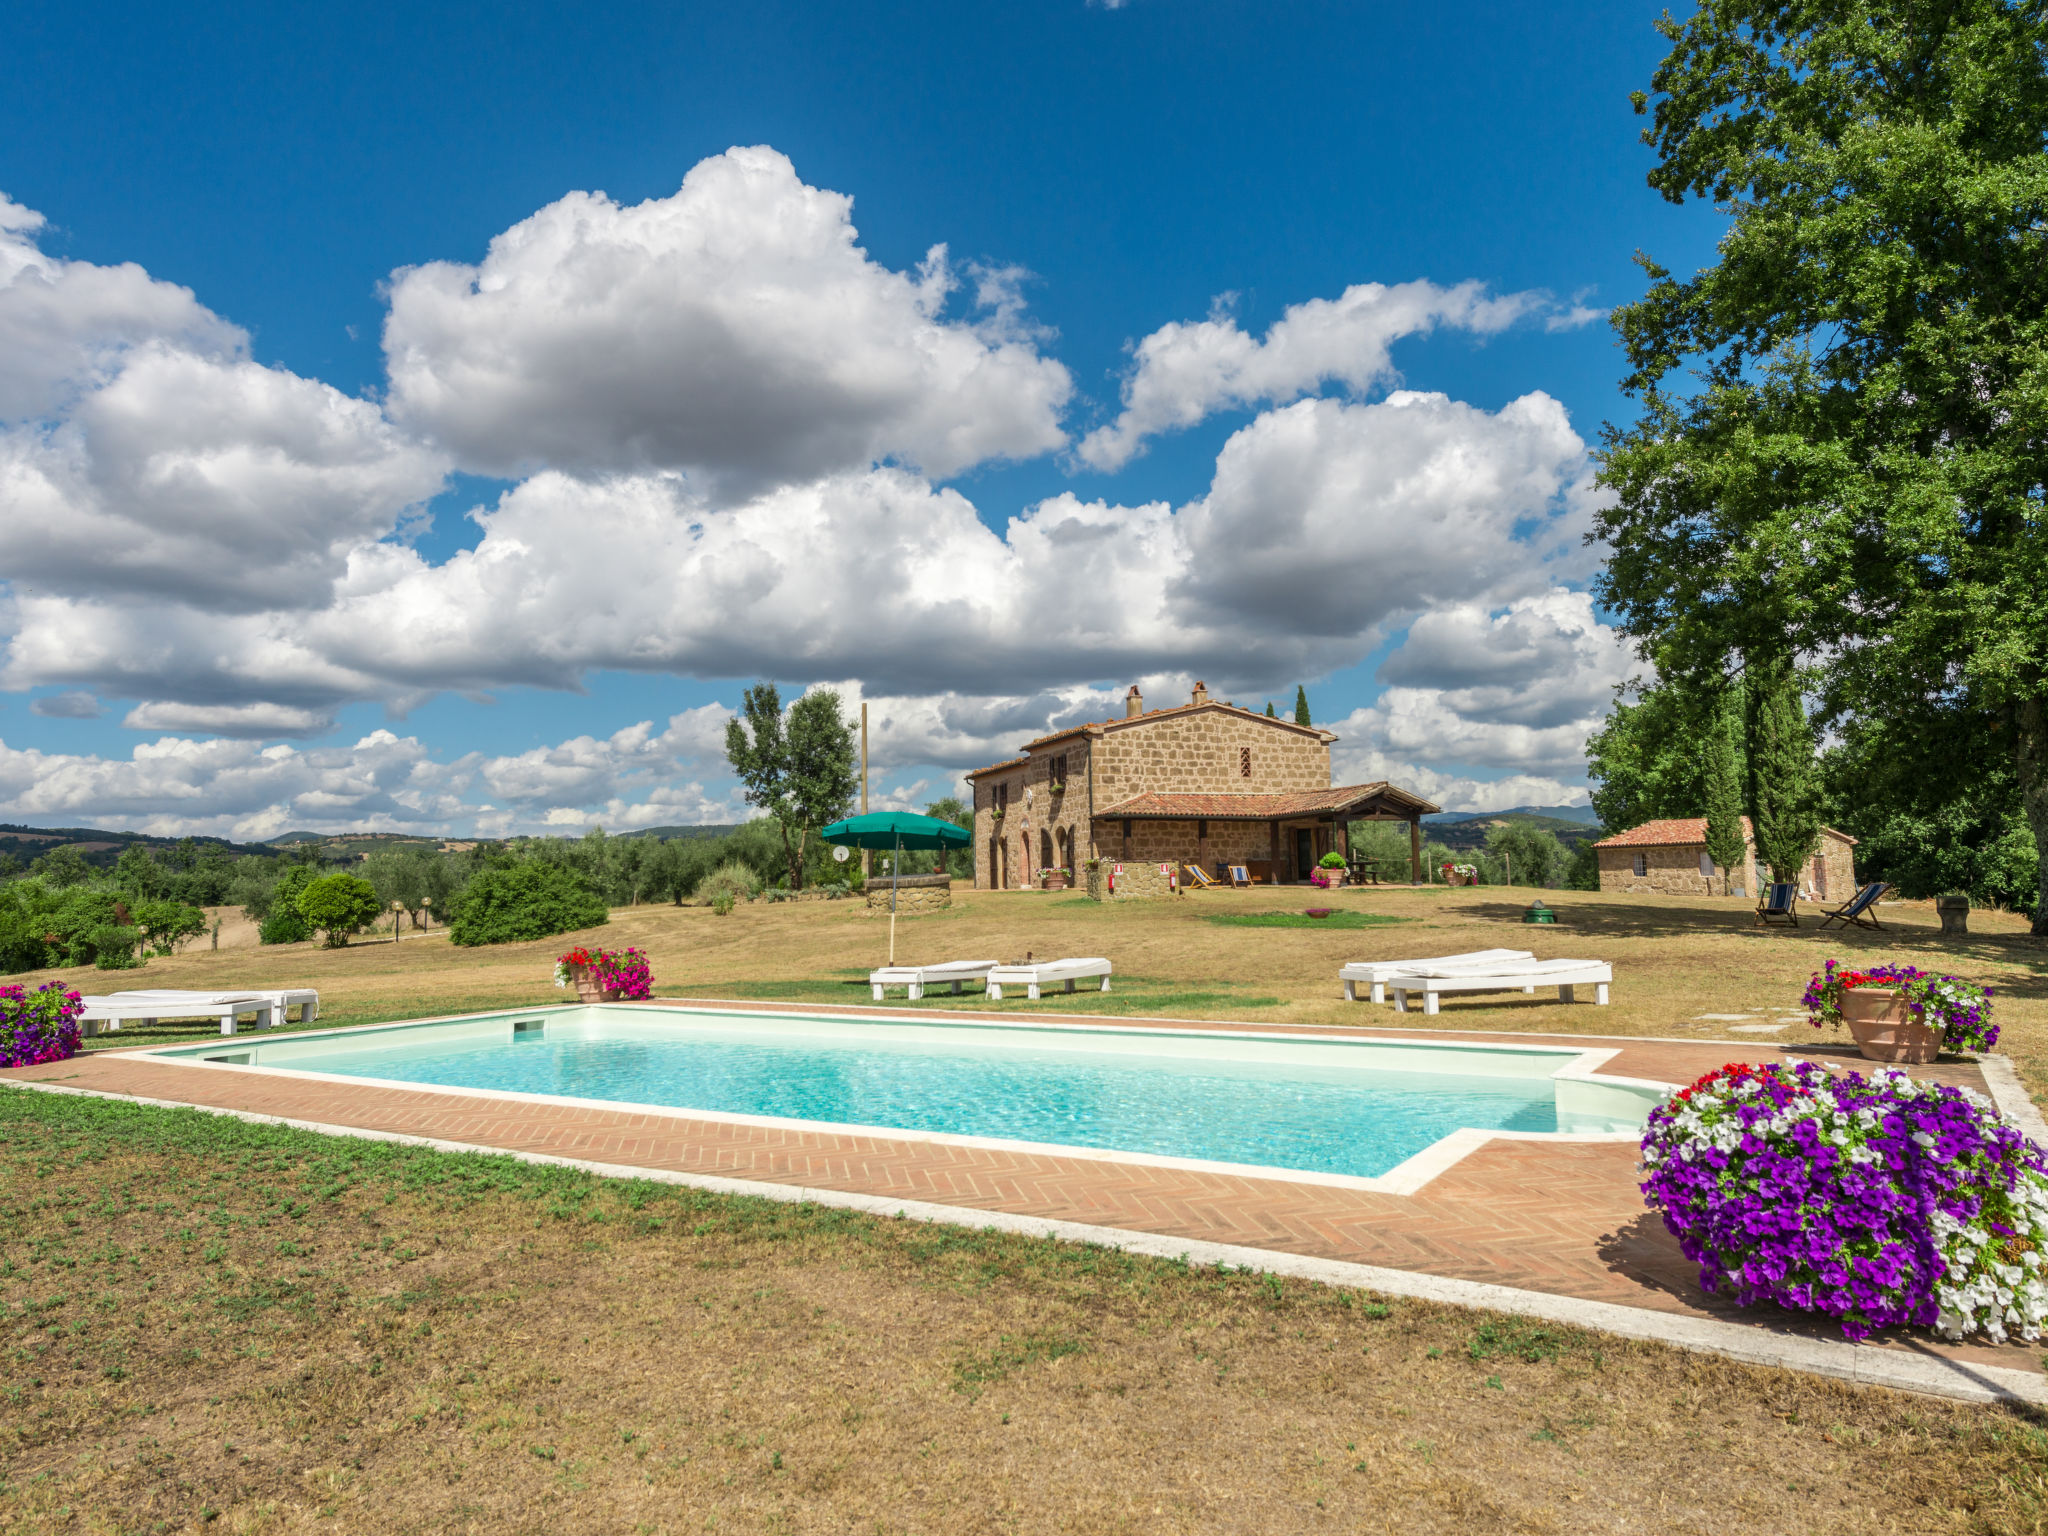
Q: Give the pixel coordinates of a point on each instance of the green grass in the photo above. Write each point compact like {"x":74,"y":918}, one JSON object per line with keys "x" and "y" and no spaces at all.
{"x":1336,"y":919}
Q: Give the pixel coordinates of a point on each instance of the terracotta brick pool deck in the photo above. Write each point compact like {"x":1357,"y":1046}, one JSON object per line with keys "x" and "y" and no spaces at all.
{"x":1561,"y":1218}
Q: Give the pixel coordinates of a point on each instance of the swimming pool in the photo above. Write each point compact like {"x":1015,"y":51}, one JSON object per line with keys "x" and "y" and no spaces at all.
{"x":1344,"y":1109}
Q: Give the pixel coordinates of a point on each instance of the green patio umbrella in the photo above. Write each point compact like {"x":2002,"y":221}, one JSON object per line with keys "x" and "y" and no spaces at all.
{"x":898,"y":830}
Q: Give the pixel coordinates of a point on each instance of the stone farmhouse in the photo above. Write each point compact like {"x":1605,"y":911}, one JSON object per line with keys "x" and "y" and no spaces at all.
{"x":1670,"y":857}
{"x":1203,"y":783}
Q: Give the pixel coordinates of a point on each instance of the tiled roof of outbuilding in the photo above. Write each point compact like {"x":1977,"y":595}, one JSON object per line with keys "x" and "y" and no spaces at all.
{"x":1681,"y":832}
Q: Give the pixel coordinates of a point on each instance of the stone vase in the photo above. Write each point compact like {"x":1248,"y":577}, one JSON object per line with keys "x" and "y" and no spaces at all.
{"x":1054,"y":882}
{"x":1954,"y":912}
{"x":1884,"y":1029}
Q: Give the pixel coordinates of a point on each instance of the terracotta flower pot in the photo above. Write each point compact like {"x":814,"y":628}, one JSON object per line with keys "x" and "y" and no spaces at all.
{"x":587,"y":988}
{"x":1884,"y":1029}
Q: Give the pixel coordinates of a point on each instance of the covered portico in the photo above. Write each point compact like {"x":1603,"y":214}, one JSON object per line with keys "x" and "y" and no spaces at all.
{"x":1286,"y":834}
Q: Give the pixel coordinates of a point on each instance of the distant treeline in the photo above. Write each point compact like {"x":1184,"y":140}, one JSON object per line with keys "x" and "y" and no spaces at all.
{"x":63,"y":909}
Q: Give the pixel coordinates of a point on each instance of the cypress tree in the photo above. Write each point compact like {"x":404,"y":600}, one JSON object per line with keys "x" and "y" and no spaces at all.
{"x":1301,"y":705}
{"x":1269,"y":711}
{"x":1784,"y":779}
{"x":1725,"y":844}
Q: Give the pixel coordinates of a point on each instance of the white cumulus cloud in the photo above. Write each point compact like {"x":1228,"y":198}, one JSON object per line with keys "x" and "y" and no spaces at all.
{"x":735,"y":330}
{"x":142,"y":452}
{"x":1187,"y":369}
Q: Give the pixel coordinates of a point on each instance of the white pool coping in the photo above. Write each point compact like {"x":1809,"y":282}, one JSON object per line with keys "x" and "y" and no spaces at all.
{"x":1577,"y":1065}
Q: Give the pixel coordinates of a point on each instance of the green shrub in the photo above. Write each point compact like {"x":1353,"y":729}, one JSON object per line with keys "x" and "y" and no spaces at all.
{"x":339,"y":905}
{"x":517,"y":903}
{"x":114,"y":947}
{"x":735,"y":881}
{"x":721,"y":904}
{"x":285,"y":925}
{"x":167,"y":924}
{"x":1583,"y":872}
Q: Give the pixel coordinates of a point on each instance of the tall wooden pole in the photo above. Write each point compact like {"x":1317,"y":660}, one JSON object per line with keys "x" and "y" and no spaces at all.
{"x":867,"y":858}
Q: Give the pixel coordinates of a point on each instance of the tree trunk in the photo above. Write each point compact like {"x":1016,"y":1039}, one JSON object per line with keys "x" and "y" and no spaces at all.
{"x":792,"y":855}
{"x":2033,"y":776}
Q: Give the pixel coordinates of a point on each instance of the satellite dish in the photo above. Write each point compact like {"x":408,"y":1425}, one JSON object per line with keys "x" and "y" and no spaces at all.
{"x":841,"y":853}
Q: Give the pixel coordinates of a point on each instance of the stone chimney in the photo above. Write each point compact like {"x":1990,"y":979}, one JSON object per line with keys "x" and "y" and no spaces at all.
{"x":1201,"y":693}
{"x":1134,"y":703}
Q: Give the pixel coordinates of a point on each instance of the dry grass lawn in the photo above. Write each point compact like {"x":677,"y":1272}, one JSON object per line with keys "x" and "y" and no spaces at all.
{"x":212,"y":1326}
{"x":217,"y":1327}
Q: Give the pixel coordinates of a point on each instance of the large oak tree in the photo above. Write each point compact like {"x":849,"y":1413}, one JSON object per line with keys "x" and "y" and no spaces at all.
{"x":1842,"y":451}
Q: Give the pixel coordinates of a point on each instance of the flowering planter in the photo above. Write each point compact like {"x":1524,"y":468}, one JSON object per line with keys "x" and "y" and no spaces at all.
{"x":1880,"y":1202}
{"x":1054,"y":882}
{"x":587,"y":988}
{"x":1884,"y":1029}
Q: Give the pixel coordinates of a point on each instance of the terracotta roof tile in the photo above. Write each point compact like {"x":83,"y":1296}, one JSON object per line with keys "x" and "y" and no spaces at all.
{"x":1682,"y":832}
{"x":1307,"y":802}
{"x":1678,"y":832}
{"x":1174,"y":709}
{"x":1008,"y":762}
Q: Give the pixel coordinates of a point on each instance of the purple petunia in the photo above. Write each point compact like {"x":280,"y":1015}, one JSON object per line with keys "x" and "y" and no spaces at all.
{"x":1879,"y":1202}
{"x":38,"y":1026}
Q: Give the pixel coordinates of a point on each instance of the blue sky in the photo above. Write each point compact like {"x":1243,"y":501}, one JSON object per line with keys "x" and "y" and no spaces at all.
{"x":1126,"y":167}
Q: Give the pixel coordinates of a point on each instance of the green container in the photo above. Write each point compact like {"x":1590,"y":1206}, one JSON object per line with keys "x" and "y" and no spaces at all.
{"x":1539,"y":913}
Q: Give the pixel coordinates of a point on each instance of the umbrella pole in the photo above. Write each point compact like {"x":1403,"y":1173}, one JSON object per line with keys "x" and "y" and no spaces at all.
{"x":895,"y":869}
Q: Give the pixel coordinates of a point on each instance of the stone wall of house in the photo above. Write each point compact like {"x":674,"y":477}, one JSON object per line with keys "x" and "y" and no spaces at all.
{"x":1201,"y":751}
{"x":1207,"y":752}
{"x":1830,"y":875}
{"x":1832,"y":869}
{"x":1673,"y":871}
{"x":1056,"y":825}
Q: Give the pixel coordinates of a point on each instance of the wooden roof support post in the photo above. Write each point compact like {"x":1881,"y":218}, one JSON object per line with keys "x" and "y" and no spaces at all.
{"x":1415,"y":850}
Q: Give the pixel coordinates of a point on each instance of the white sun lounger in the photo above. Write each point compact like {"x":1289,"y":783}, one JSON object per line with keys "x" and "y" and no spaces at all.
{"x":282,"y":999}
{"x":1508,"y":976}
{"x":111,"y":1012}
{"x":1035,"y":977}
{"x":1377,"y":973}
{"x":917,"y":977}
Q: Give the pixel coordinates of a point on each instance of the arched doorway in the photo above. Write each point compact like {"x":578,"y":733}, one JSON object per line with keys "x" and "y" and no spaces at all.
{"x":1045,"y":857}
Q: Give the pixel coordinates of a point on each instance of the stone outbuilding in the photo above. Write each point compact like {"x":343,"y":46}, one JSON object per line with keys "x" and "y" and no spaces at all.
{"x":1203,"y":783}
{"x":1670,"y":858}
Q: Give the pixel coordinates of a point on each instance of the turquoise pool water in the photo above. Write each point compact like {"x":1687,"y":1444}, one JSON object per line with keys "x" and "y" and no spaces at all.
{"x":1319,"y":1106}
